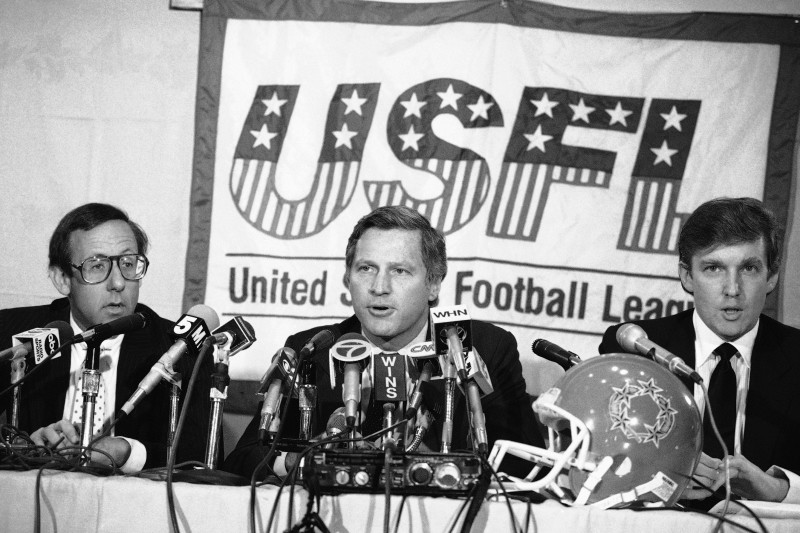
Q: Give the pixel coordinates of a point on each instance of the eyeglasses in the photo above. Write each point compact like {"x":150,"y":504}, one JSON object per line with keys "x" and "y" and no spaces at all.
{"x":97,"y":269}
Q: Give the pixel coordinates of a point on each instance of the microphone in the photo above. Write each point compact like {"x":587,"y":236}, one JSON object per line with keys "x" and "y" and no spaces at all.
{"x":101,"y":332}
{"x":389,"y":389}
{"x":351,"y":353}
{"x":555,"y":353}
{"x":321,"y":341}
{"x":307,"y":386}
{"x":42,"y":342}
{"x":235,"y":335}
{"x":423,"y":357}
{"x":337,"y":425}
{"x":274,"y":384}
{"x":477,"y":385}
{"x":451,"y":332}
{"x":423,"y":424}
{"x":190,"y":331}
{"x":477,"y":372}
{"x":634,"y":339}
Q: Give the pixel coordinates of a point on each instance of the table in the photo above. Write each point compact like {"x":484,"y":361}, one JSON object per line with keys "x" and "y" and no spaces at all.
{"x":83,"y":503}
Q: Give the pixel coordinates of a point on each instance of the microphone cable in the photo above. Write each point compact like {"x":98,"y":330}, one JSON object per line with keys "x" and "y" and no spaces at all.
{"x":400,"y":513}
{"x":270,"y":452}
{"x":207,"y":344}
{"x":718,"y":518}
{"x":333,"y":333}
{"x":291,"y":476}
{"x":725,"y":451}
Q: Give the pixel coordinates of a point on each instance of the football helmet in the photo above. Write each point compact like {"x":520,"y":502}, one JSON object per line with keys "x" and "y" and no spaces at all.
{"x":621,"y":428}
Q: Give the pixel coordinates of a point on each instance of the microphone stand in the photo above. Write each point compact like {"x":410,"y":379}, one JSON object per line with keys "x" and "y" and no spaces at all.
{"x":307,"y":399}
{"x":449,"y":372}
{"x":480,"y":439}
{"x":174,"y":407}
{"x":218,"y":394}
{"x":208,"y":475}
{"x":89,"y":388}
{"x":18,"y":367}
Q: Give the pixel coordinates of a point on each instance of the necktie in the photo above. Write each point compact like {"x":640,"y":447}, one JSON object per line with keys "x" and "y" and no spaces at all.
{"x":722,"y":400}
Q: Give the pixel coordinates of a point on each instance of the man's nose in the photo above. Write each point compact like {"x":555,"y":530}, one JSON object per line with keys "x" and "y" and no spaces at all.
{"x":381,"y":283}
{"x":733,"y":283}
{"x":115,"y":280}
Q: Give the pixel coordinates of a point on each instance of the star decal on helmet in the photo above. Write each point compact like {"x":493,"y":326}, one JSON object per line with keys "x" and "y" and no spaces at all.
{"x":619,"y":407}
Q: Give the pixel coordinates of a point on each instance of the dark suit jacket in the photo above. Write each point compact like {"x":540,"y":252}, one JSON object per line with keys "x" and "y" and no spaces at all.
{"x":508,"y":409}
{"x":772,"y":425}
{"x":43,"y":395}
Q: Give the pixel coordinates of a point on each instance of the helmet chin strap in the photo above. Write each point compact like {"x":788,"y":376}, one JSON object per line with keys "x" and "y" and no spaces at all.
{"x":660,"y":485}
{"x":593,"y":479}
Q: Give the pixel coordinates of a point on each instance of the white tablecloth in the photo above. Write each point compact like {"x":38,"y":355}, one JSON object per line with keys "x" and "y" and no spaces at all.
{"x":84,"y":503}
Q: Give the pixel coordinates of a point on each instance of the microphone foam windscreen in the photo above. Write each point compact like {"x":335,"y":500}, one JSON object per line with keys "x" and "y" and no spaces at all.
{"x":209,"y":316}
{"x":65,"y":332}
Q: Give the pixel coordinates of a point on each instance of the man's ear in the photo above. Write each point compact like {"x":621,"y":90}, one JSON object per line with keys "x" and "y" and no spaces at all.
{"x":61,"y":281}
{"x":433,"y":290}
{"x":772,"y":282}
{"x":685,"y":273}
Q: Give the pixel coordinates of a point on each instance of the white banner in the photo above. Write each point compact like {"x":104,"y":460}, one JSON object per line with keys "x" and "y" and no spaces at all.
{"x":559,"y":165}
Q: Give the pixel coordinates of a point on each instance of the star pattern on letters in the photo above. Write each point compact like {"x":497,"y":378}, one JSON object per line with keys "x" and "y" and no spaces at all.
{"x":618,"y":115}
{"x":413,"y":106}
{"x":581,"y":111}
{"x":354,"y":103}
{"x":273,"y":105}
{"x":344,"y":137}
{"x":672,"y":119}
{"x":449,"y":98}
{"x":537,"y":139}
{"x":411,"y":139}
{"x":663,"y":154}
{"x":263,"y":137}
{"x":544,"y":106}
{"x":480,"y":109}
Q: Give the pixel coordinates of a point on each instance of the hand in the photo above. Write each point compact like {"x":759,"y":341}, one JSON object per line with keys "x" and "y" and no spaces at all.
{"x":57,"y":435}
{"x":63,"y":434}
{"x":749,"y":481}
{"x":710,"y":473}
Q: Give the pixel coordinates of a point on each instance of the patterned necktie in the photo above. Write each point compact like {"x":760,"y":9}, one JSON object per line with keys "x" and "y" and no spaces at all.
{"x":722,"y":400}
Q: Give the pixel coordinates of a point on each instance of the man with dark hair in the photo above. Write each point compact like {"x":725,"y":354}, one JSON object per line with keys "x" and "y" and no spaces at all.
{"x":395,"y":263}
{"x":97,"y":262}
{"x":729,"y":258}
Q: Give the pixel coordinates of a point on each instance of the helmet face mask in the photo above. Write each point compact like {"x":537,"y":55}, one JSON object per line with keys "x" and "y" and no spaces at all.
{"x":622,"y":429}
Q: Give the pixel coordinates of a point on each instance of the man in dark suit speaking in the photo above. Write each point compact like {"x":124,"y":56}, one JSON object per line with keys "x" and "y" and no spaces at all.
{"x":729,"y":258}
{"x":395,"y":263}
{"x":97,"y":262}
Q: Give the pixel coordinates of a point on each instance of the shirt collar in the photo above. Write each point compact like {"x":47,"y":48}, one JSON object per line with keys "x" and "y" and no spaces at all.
{"x":708,"y":341}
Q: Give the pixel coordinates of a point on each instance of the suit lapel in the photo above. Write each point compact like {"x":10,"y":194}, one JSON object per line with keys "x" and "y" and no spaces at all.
{"x":678,"y":337}
{"x":768,"y":366}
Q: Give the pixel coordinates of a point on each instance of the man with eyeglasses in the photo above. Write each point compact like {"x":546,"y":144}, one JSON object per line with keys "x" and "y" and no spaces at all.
{"x":97,"y":261}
